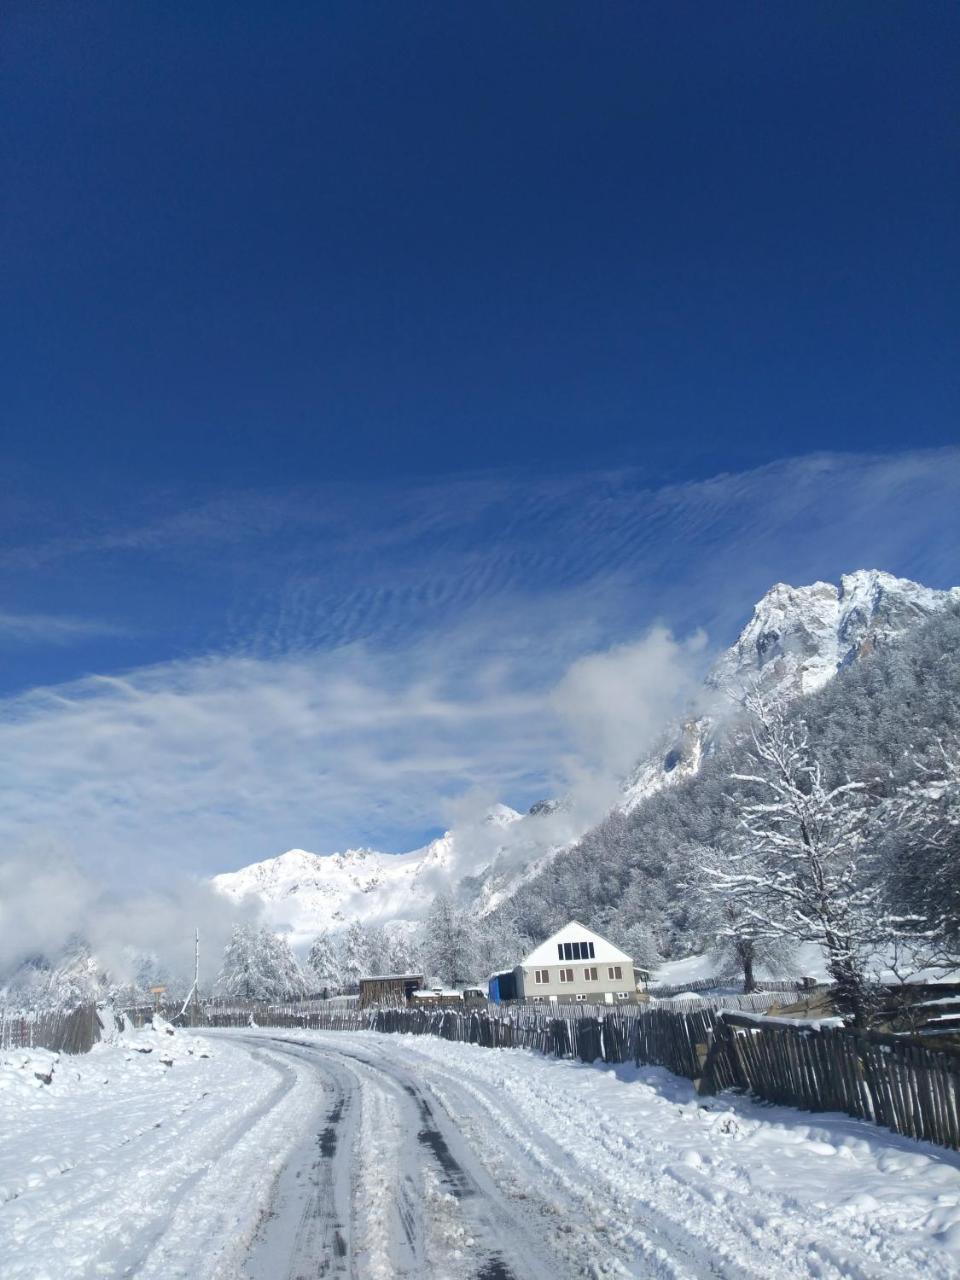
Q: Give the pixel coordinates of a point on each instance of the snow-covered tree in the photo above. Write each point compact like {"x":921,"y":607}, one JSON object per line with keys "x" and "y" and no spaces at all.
{"x":498,"y":944}
{"x":353,"y":956}
{"x":259,"y":965}
{"x":925,"y":822}
{"x":322,"y":967}
{"x":448,"y":942}
{"x":731,"y":919}
{"x":403,"y":955}
{"x":638,"y":941}
{"x":802,"y":866}
{"x":377,"y":949}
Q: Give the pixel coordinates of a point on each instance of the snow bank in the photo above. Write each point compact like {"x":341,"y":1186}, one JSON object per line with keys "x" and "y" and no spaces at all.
{"x":95,"y":1166}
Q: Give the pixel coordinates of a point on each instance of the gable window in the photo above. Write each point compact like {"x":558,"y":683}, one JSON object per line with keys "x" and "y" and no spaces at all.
{"x":615,"y":971}
{"x":541,"y":975}
{"x":566,"y":975}
{"x":590,"y":975}
{"x":575,"y":951}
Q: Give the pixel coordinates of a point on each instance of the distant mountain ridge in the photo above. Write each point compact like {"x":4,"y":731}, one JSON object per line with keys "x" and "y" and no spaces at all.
{"x":794,"y":643}
{"x":304,"y":892}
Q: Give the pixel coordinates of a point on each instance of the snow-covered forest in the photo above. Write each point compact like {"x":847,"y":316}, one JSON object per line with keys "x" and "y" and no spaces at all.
{"x":663,"y":878}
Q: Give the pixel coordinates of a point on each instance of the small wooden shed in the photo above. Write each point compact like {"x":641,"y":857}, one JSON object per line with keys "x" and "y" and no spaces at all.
{"x":389,"y":989}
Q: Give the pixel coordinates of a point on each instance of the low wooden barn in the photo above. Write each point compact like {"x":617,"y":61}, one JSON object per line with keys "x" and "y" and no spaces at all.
{"x":389,"y":989}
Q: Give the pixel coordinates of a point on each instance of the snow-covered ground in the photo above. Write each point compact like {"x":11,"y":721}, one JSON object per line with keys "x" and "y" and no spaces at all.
{"x":386,"y":1155}
{"x":806,"y":961}
{"x":125,"y":1164}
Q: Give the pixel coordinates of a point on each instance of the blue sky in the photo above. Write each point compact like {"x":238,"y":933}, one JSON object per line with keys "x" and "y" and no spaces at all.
{"x":368,"y":365}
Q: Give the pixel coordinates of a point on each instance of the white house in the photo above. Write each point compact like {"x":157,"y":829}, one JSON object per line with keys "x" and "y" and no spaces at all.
{"x":576,"y":964}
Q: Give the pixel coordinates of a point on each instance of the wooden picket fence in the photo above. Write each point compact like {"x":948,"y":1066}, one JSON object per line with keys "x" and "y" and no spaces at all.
{"x":900,"y":1083}
{"x":61,"y":1030}
{"x":306,"y":1017}
{"x":579,"y":1036}
{"x":731,"y":984}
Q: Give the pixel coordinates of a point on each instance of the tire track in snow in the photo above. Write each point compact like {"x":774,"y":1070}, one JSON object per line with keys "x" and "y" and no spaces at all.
{"x":423,"y":1204}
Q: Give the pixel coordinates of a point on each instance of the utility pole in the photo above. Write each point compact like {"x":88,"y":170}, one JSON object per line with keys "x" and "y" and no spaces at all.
{"x":194,"y":991}
{"x":196,"y":979}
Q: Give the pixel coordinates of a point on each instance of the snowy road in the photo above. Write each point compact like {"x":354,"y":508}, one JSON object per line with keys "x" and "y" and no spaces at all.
{"x":267,"y":1154}
{"x":445,"y":1160}
{"x":425,"y":1203}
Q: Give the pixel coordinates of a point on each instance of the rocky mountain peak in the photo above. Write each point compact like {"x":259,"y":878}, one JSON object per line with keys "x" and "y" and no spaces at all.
{"x":799,"y":637}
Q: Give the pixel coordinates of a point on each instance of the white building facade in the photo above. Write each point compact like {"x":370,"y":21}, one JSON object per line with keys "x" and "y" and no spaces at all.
{"x":576,"y":964}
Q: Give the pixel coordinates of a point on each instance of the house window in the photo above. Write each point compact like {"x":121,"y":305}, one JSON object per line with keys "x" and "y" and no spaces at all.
{"x":559,"y":950}
{"x":590,"y":946}
{"x":581,"y":997}
{"x":623,"y":995}
{"x":590,"y":975}
{"x":567,"y":951}
{"x":566,"y":975}
{"x":576,"y":951}
{"x":541,"y":975}
{"x":615,"y":971}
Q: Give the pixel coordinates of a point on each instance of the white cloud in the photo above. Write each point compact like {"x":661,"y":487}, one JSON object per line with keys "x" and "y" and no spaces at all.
{"x":210,"y":763}
{"x":48,"y":899}
{"x":43,"y":628}
{"x":207,"y":764}
{"x":616,"y":703}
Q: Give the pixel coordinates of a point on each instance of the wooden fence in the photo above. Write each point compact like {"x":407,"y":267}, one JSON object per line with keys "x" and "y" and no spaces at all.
{"x":343,"y":1019}
{"x":62,"y":1030}
{"x":896,"y":1082}
{"x":580,"y":1036}
{"x":731,"y":984}
{"x":755,"y":1002}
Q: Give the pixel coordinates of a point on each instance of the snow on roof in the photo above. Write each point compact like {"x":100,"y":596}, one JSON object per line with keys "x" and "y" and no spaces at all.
{"x":546,"y":952}
{"x":392,"y":977}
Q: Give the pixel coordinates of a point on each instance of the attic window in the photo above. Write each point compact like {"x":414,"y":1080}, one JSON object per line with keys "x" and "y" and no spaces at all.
{"x":575,"y":951}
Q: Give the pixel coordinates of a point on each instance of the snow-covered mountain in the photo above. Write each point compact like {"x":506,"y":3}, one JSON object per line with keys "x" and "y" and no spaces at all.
{"x":305,"y":892}
{"x":799,"y":637}
{"x":796,"y":641}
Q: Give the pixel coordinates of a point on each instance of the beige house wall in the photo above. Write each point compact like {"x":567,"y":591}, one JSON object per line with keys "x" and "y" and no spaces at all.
{"x":529,"y":989}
